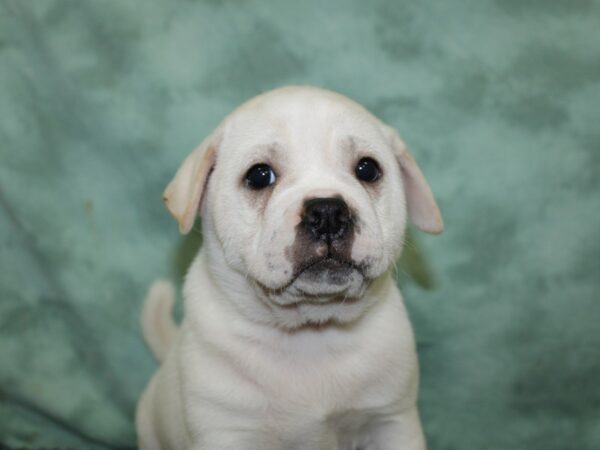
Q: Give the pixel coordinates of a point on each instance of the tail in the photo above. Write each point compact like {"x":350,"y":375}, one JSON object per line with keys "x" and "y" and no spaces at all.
{"x":158,"y":326}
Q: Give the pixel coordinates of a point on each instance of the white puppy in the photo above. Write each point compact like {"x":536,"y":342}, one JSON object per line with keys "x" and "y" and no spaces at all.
{"x":295,"y":335}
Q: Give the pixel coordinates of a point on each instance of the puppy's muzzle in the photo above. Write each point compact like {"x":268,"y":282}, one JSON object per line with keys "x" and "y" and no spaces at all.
{"x":327,"y":219}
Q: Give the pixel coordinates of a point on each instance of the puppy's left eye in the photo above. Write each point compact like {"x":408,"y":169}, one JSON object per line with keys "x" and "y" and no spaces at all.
{"x":367,"y":170}
{"x":259,"y":176}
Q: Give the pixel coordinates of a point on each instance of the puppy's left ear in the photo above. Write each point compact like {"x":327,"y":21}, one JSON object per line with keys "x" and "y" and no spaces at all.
{"x":184,"y":194}
{"x":422,"y":208}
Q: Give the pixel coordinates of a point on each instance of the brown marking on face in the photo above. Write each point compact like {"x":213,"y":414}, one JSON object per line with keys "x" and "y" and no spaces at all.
{"x":307,"y":253}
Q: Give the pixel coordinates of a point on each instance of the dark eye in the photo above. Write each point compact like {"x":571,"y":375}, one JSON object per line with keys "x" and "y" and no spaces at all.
{"x":368,"y":170}
{"x":259,"y":176}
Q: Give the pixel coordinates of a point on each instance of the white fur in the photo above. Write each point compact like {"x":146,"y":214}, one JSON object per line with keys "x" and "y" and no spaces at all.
{"x":264,"y":358}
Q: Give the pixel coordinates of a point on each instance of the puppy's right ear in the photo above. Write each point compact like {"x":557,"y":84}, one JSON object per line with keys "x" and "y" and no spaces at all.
{"x":183,"y":195}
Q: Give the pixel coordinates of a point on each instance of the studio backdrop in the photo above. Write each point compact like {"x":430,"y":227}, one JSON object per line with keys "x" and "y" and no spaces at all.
{"x":498,"y":99}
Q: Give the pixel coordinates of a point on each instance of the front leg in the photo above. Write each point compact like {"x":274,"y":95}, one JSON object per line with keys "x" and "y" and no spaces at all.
{"x":229,"y":440}
{"x":253,"y":439}
{"x":398,"y":432}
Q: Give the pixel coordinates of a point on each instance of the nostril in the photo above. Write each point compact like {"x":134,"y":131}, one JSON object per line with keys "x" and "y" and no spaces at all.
{"x":343,"y":216}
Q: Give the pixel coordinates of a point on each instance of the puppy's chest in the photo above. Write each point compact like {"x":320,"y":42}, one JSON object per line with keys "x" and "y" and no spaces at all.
{"x":335,"y":399}
{"x":291,"y":395}
{"x":327,"y":386}
{"x":320,"y":385}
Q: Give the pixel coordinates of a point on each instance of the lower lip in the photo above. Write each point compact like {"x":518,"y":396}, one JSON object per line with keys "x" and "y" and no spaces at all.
{"x":327,"y":264}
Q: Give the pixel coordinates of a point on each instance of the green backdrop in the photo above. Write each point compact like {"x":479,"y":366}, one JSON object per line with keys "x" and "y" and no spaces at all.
{"x":499,"y":100}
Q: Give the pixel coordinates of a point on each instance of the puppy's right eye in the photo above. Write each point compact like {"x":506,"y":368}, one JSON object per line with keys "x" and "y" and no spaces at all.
{"x":260,"y":176}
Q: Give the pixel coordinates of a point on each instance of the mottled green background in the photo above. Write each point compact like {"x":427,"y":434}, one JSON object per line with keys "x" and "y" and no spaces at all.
{"x":500,"y":101}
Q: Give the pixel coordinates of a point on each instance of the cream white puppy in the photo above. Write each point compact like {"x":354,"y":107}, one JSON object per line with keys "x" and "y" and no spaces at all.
{"x":295,"y":336}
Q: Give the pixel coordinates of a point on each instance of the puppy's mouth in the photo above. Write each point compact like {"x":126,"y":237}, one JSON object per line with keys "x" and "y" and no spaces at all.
{"x":326,"y":277}
{"x":319,"y":280}
{"x":334,"y":270}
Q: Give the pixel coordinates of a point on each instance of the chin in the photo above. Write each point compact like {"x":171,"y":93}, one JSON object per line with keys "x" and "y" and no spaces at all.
{"x":310,"y":314}
{"x":318,"y":284}
{"x":317,"y":299}
{"x":326,"y":286}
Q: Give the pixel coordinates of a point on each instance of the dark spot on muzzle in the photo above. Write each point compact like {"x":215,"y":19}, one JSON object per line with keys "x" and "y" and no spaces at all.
{"x":325,"y":232}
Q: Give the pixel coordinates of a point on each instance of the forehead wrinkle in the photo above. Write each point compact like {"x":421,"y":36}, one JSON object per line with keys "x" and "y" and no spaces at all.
{"x":346,"y":148}
{"x":361,"y":143}
{"x":350,"y":145}
{"x":271,"y":152}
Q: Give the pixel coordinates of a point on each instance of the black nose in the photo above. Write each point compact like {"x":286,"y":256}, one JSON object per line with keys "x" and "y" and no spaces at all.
{"x":327,"y":218}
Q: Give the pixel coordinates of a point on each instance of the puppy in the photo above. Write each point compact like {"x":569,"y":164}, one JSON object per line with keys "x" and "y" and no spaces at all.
{"x":295,"y":336}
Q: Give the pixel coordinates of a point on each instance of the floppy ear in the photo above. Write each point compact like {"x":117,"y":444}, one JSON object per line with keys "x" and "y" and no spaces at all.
{"x":422,"y":208}
{"x":183,"y":195}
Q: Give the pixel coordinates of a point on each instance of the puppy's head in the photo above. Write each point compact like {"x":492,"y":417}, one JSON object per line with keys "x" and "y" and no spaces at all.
{"x":305,"y":195}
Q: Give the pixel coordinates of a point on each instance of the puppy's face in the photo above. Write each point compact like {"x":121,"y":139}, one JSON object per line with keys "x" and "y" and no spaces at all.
{"x":305,"y":198}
